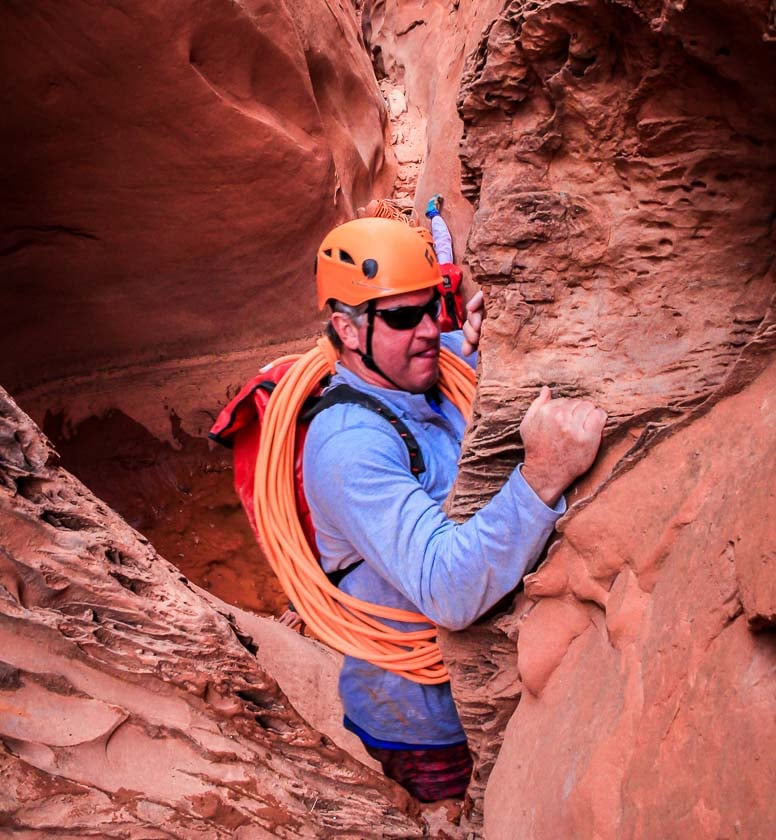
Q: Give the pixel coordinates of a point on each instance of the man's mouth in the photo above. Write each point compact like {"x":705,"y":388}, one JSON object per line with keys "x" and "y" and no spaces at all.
{"x":428,"y":353}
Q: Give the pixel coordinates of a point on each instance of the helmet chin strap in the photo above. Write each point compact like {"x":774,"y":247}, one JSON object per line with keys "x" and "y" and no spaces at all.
{"x":367,"y":358}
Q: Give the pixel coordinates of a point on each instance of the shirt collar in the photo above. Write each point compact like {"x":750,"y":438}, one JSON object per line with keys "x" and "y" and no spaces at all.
{"x":400,"y":401}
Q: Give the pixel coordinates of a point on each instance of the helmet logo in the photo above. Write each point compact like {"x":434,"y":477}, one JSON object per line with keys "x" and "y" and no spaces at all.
{"x":429,"y":257}
{"x":369,"y":267}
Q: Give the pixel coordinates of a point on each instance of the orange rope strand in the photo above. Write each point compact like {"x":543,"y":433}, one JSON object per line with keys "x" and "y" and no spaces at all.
{"x":347,"y":624}
{"x":386,"y":208}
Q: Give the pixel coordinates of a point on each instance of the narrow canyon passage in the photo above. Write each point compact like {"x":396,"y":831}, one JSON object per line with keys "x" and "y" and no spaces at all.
{"x":608,"y":172}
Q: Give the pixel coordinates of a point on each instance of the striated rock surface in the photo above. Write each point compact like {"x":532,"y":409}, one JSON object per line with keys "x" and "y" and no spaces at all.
{"x":130,"y":707}
{"x":622,"y":162}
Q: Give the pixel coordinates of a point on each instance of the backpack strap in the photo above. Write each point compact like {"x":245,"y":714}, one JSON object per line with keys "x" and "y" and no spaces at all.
{"x":345,"y":394}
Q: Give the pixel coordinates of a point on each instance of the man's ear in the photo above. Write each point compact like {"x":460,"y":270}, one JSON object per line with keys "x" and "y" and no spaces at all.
{"x":346,"y":330}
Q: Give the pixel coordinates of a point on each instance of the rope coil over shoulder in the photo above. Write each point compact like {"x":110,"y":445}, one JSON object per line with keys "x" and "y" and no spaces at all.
{"x":350,"y":625}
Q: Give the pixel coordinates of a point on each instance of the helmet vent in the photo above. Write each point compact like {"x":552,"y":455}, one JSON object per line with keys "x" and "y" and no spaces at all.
{"x":327,"y":252}
{"x":345,"y":257}
{"x":369,"y":267}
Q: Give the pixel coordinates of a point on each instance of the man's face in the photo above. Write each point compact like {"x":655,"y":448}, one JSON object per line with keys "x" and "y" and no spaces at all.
{"x":409,"y":357}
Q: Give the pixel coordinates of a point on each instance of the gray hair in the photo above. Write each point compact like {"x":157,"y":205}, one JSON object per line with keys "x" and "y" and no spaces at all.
{"x":354,"y":313}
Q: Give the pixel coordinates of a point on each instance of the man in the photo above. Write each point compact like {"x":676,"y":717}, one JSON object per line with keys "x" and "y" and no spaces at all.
{"x":378,"y":277}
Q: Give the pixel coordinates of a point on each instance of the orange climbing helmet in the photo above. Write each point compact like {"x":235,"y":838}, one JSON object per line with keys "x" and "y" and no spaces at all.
{"x":373,"y":258}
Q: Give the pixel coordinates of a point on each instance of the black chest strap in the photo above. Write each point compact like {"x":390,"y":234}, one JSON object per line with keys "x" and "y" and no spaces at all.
{"x":345,"y":394}
{"x":342,"y":394}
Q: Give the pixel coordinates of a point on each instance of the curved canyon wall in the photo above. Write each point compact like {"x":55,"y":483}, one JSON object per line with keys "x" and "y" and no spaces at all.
{"x":173,"y":169}
{"x":168,"y":173}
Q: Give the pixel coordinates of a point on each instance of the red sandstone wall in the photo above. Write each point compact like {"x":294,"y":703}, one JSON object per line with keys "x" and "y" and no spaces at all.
{"x":620,"y":161}
{"x":168,"y":171}
{"x":423,"y":49}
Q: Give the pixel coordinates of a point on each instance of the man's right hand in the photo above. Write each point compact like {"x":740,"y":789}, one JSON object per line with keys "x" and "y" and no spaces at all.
{"x":561,"y":438}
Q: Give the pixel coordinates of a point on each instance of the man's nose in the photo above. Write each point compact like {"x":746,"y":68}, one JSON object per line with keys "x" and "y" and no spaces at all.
{"x":428,"y":327}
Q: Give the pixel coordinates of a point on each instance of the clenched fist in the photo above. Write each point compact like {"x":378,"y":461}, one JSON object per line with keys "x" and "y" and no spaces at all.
{"x":561,"y":438}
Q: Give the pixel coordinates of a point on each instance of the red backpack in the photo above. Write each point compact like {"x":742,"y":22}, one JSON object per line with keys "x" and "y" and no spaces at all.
{"x":238,"y":427}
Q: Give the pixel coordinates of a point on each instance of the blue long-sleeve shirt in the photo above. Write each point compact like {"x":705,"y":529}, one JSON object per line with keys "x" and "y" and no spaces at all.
{"x":366,"y":503}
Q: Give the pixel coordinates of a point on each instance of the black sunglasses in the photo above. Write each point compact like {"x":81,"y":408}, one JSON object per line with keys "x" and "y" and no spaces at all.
{"x":408,"y":317}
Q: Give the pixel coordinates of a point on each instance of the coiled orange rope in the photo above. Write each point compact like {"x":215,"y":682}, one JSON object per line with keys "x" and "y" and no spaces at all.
{"x":347,"y":624}
{"x":386,"y":208}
